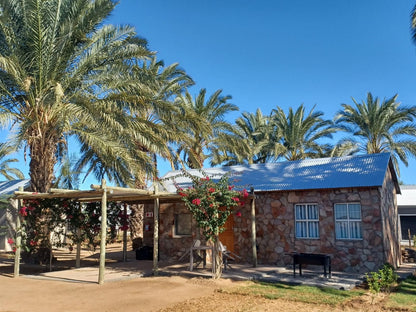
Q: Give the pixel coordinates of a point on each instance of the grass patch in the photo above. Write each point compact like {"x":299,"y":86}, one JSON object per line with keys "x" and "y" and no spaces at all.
{"x":299,"y":293}
{"x":405,"y":295}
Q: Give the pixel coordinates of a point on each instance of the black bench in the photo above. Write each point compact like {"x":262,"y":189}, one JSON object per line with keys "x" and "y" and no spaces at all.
{"x":313,"y":259}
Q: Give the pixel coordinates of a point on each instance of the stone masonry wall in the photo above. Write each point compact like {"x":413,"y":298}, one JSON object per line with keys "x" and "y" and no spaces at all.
{"x":275,"y":224}
{"x":389,"y":211}
{"x":275,"y":227}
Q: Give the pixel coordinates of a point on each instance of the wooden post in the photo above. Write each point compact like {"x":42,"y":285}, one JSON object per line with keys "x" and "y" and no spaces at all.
{"x":78,"y":256}
{"x":125,"y":233}
{"x":103,"y":232}
{"x":253,"y":228}
{"x":18,"y":205}
{"x":156,"y":231}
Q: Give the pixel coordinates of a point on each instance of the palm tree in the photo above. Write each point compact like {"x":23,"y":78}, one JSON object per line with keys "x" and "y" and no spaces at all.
{"x":63,"y":73}
{"x":5,"y":170}
{"x":378,"y":127}
{"x":204,"y":121}
{"x":148,"y":125}
{"x":296,"y":136}
{"x":248,"y":142}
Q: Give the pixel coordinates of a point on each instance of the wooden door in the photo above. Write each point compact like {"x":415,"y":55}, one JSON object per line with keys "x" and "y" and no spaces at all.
{"x":227,"y":237}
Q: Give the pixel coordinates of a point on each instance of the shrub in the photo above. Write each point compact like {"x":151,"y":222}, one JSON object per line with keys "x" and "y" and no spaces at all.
{"x":382,"y":280}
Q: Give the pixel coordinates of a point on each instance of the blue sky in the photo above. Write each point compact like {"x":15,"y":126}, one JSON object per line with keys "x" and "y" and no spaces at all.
{"x":283,"y":53}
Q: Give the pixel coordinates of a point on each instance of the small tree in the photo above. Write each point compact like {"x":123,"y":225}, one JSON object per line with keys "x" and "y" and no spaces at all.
{"x":211,"y":202}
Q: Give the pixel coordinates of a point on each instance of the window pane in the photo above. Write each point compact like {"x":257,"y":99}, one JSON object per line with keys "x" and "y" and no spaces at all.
{"x":354,"y":211}
{"x":313,"y":212}
{"x":355,"y":229}
{"x":341,"y":229}
{"x":183,"y":224}
{"x":300,"y":212}
{"x":313,"y":229}
{"x":341,"y":211}
{"x":301,"y":229}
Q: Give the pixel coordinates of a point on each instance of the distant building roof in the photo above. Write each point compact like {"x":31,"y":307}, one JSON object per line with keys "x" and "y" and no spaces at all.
{"x":323,"y":173}
{"x":8,"y":187}
{"x":408,"y":196}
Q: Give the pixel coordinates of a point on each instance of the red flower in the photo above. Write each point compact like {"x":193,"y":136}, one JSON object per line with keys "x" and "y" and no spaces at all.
{"x":10,"y":241}
{"x":211,"y":190}
{"x":32,"y":243}
{"x":236,"y":199}
{"x":183,"y":194}
{"x":238,"y":214}
{"x":23,"y":211}
{"x":211,"y":205}
{"x":245,"y":193}
{"x":206,"y":179}
{"x":14,"y":249}
{"x":196,"y":201}
{"x":30,"y":208}
{"x":230,"y":187}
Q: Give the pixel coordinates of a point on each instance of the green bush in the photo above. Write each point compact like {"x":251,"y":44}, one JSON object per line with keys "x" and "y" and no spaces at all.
{"x":382,"y":280}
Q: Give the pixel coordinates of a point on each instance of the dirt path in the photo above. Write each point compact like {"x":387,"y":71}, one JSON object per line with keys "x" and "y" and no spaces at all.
{"x":142,"y":294}
{"x":145,"y":294}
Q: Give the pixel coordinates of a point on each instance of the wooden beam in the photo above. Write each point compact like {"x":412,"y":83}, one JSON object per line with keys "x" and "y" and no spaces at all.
{"x":103,"y":233}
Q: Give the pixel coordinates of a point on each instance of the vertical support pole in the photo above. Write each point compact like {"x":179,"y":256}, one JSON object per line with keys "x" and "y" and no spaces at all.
{"x":78,"y":256}
{"x":125,"y":233}
{"x":253,"y":228}
{"x":156,"y":231}
{"x":18,"y":205}
{"x":103,"y":232}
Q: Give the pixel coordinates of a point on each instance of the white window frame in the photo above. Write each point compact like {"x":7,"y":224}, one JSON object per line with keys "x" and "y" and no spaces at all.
{"x":348,"y":221}
{"x":307,"y":220}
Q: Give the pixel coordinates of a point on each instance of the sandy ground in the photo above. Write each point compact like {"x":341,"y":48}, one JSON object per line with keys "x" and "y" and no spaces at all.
{"x":164,"y":293}
{"x":145,"y":294}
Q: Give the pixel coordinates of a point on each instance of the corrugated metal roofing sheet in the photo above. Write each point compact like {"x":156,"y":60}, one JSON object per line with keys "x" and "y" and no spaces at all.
{"x":322,"y":173}
{"x":8,"y":187}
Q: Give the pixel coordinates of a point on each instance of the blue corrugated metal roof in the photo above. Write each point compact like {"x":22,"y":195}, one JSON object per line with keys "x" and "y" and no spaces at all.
{"x":322,"y":173}
{"x":8,"y":187}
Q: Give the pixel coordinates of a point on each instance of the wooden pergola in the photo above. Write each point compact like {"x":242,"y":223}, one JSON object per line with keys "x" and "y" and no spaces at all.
{"x":99,"y":193}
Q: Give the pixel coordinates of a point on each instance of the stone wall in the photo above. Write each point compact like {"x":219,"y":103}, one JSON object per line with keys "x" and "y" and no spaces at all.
{"x":170,"y":247}
{"x":276,"y":228}
{"x":391,"y":222}
{"x":275,"y":225}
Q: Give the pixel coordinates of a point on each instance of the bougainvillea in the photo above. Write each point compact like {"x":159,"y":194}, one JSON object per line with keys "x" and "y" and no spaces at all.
{"x":46,"y":223}
{"x":211,"y":202}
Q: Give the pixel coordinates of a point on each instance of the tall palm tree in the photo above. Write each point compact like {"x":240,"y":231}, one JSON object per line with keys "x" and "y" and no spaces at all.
{"x":5,"y":170}
{"x":204,"y":121}
{"x":63,"y":72}
{"x":248,"y":142}
{"x":148,"y":125}
{"x":380,"y":126}
{"x":297,"y":135}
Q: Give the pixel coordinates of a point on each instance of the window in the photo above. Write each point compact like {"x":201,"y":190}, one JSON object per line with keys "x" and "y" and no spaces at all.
{"x":183,"y":224}
{"x":348,"y":221}
{"x":307,"y":221}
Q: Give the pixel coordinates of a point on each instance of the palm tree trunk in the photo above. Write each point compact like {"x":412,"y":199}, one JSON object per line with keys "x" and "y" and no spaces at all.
{"x":43,"y":148}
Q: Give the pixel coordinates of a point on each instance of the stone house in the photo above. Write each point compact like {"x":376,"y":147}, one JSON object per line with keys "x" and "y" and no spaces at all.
{"x":345,"y":207}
